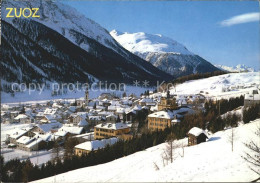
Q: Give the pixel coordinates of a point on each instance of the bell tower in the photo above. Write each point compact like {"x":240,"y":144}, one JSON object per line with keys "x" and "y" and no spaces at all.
{"x":86,"y":97}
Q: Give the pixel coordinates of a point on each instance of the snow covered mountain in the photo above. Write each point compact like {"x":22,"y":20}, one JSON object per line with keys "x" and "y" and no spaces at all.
{"x":65,"y":46}
{"x":238,"y":68}
{"x":163,"y":52}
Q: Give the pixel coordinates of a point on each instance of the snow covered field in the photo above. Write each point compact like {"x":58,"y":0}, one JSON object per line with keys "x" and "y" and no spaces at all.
{"x":214,"y":85}
{"x":209,"y":161}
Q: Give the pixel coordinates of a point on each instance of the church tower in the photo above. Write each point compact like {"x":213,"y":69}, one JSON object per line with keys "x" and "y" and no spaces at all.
{"x":86,"y":97}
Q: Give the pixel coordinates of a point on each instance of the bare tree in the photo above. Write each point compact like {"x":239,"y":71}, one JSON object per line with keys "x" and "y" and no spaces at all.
{"x":231,"y":138}
{"x":169,"y":152}
{"x":253,"y":154}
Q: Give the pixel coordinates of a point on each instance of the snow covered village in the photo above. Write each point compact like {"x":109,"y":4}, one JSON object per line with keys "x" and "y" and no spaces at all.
{"x":177,"y":118}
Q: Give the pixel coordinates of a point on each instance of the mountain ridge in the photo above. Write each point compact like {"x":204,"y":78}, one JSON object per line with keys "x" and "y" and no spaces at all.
{"x":164,"y":53}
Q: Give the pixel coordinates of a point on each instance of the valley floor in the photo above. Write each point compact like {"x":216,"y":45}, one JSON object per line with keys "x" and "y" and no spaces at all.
{"x":209,"y":161}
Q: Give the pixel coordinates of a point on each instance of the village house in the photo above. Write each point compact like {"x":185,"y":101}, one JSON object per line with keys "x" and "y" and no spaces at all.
{"x":107,"y":96}
{"x":196,"y":136}
{"x":80,"y":102}
{"x":13,"y":114}
{"x":85,"y":137}
{"x":111,"y":118}
{"x":22,"y":118}
{"x":23,"y":142}
{"x":147,"y":102}
{"x":106,"y":130}
{"x":95,"y":120}
{"x":160,"y":120}
{"x":87,"y":147}
{"x":45,"y":128}
{"x":74,"y":119}
{"x":35,"y":145}
{"x":14,"y":136}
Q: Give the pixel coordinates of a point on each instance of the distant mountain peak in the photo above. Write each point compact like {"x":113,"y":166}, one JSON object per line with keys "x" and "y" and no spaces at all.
{"x":238,"y":68}
{"x":142,"y":42}
{"x":163,"y":52}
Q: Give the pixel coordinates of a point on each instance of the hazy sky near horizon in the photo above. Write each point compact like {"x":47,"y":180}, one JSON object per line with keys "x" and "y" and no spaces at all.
{"x":222,"y":32}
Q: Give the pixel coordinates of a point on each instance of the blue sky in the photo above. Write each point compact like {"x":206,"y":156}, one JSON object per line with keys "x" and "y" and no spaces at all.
{"x":197,"y":25}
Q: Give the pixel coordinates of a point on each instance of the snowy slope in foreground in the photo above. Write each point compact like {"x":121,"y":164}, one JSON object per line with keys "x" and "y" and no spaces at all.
{"x":214,"y":85}
{"x":238,"y":68}
{"x":210,"y":161}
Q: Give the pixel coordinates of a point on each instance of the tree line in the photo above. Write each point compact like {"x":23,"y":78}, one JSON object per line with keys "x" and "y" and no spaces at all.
{"x":182,"y":79}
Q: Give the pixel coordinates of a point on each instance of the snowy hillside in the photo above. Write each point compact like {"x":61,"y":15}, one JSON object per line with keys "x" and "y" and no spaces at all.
{"x":141,"y":42}
{"x":63,"y":18}
{"x":163,"y":52}
{"x":238,"y":68}
{"x":227,"y":85}
{"x":209,"y":161}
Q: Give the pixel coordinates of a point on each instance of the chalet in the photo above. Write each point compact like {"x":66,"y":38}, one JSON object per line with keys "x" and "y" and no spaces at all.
{"x":50,"y":118}
{"x":104,"y":113}
{"x":13,"y":114}
{"x":86,"y":147}
{"x":83,"y":123}
{"x":85,"y":137}
{"x":196,"y":136}
{"x":61,"y":136}
{"x":147,"y":102}
{"x":107,"y":96}
{"x":105,"y":103}
{"x":30,"y":143}
{"x":95,"y":120}
{"x":130,"y":115}
{"x":22,"y":118}
{"x":121,"y":111}
{"x":14,"y":136}
{"x":52,"y":111}
{"x":111,"y":118}
{"x":36,"y":145}
{"x":106,"y":130}
{"x":80,"y":102}
{"x":74,"y":119}
{"x":73,"y":130}
{"x":45,"y":128}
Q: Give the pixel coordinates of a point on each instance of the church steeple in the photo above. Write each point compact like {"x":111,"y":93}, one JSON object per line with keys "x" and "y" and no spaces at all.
{"x":86,"y":97}
{"x":168,"y":94}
